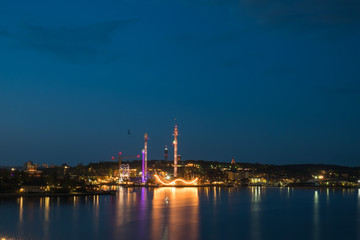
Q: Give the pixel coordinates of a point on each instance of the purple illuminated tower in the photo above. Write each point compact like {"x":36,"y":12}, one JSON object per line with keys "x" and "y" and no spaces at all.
{"x":175,"y":150}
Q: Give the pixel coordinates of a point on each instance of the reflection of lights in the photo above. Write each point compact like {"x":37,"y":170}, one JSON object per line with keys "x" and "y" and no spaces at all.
{"x":316,"y":220}
{"x":183,"y":204}
{"x":256,"y":194}
{"x":327,"y":196}
{"x":288,"y":192}
{"x":47,"y":204}
{"x":255,"y":206}
{"x":187,"y":195}
{"x":167,"y":177}
{"x":193,"y":182}
{"x":359,"y":199}
{"x":215,"y":194}
{"x":76,"y":200}
{"x":21,"y":210}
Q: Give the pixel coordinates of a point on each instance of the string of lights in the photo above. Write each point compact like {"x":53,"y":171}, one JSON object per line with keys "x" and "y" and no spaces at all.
{"x":193,"y":182}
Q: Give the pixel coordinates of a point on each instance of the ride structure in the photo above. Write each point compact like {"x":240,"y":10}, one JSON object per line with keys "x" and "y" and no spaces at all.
{"x":175,"y":143}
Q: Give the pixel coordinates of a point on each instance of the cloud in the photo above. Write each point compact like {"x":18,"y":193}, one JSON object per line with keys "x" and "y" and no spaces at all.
{"x":282,"y":70}
{"x":306,"y":14}
{"x":199,"y":41}
{"x":94,"y":33}
{"x":296,"y":16}
{"x":232,"y":62}
{"x":71,"y":42}
{"x":330,"y":19}
{"x":349,"y":89}
{"x":4,"y":32}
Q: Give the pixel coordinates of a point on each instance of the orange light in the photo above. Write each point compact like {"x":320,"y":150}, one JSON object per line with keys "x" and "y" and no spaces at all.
{"x":176,"y":180}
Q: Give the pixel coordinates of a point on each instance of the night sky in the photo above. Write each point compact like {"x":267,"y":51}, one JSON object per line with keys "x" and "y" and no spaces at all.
{"x":261,"y":81}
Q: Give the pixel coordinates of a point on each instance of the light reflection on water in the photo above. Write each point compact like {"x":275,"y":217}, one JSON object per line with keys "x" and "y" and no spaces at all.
{"x":255,"y":232}
{"x":168,"y":218}
{"x":316,"y":216}
{"x":191,"y":213}
{"x":21,"y":203}
{"x":358,"y":213}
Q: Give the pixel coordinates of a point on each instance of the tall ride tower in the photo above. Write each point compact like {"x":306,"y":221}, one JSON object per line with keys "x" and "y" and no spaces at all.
{"x":176,"y":133}
{"x":144,"y":164}
{"x":166,"y":153}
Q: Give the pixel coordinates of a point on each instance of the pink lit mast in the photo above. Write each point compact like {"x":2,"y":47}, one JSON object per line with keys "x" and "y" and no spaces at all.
{"x":176,"y":133}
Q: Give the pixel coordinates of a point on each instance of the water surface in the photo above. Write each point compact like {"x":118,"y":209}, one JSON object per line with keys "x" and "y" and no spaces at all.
{"x":191,"y":213}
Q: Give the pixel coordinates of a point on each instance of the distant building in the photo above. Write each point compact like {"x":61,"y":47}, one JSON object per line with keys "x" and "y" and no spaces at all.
{"x":33,"y":189}
{"x":233,"y":161}
{"x":30,"y":167}
{"x":233,"y":175}
{"x":166,"y":153}
{"x":257,"y":181}
{"x":191,"y":165}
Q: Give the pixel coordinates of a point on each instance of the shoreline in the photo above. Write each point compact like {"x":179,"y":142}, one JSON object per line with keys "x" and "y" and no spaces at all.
{"x":74,"y":194}
{"x":113,"y":192}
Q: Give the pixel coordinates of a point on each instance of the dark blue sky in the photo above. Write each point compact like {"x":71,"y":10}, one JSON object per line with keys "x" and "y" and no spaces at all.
{"x":261,"y":81}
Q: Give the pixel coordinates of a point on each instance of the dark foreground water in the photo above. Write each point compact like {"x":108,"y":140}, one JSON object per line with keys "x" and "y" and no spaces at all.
{"x":192,"y":213}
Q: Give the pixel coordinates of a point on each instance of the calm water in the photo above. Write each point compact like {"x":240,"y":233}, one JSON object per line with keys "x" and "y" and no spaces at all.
{"x":192,"y":213}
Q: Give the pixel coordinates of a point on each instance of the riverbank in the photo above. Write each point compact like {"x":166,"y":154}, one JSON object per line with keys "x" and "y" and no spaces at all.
{"x":113,"y":192}
{"x":47,"y":194}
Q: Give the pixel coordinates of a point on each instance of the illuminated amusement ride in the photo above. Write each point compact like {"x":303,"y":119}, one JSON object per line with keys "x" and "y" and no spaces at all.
{"x":124,"y":169}
{"x":175,"y":181}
